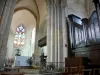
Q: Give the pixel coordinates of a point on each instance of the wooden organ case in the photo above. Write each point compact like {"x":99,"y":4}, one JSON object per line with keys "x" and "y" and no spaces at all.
{"x":84,"y":35}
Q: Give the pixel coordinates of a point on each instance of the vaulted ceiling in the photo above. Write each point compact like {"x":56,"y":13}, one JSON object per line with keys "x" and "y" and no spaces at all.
{"x":25,"y":18}
{"x":36,"y":7}
{"x":31,"y":13}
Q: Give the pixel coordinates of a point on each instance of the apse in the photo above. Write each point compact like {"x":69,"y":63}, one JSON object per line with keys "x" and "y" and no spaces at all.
{"x":22,"y":34}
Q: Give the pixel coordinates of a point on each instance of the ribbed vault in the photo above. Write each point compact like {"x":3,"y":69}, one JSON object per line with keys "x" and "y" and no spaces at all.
{"x":37,"y":7}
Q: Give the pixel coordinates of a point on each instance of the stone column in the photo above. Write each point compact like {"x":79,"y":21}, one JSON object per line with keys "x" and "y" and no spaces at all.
{"x":52,"y":32}
{"x":49,"y":34}
{"x":10,"y":51}
{"x":5,"y":27}
{"x":60,"y":35}
{"x":56,"y":34}
{"x":64,"y":31}
{"x":36,"y":48}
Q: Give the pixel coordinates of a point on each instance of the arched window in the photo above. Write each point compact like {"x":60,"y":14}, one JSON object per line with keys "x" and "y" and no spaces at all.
{"x":19,"y":36}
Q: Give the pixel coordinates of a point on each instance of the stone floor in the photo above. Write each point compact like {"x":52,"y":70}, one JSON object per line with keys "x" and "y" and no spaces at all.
{"x":32,"y":74}
{"x":30,"y":71}
{"x":36,"y":72}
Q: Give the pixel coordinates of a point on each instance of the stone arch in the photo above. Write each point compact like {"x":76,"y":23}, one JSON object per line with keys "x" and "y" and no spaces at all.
{"x":24,"y":8}
{"x":28,"y":29}
{"x":27,"y":4}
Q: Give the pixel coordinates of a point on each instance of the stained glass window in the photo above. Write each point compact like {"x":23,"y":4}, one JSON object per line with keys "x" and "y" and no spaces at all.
{"x":19,"y":36}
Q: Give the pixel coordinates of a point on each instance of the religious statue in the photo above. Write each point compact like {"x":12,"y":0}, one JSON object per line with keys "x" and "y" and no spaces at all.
{"x":42,"y":62}
{"x":18,"y":52}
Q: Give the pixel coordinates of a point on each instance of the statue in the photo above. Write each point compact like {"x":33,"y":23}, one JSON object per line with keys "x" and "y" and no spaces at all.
{"x":18,"y":52}
{"x":42,"y":62}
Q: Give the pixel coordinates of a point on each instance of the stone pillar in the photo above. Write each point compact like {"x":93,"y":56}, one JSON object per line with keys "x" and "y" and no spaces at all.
{"x":49,"y":34}
{"x":64,"y":31}
{"x":5,"y":27}
{"x":55,"y":34}
{"x":52,"y":32}
{"x":36,"y":48}
{"x":10,"y":52}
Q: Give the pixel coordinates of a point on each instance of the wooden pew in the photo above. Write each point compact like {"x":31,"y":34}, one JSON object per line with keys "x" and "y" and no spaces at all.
{"x":74,"y":65}
{"x":11,"y":73}
{"x":12,"y":68}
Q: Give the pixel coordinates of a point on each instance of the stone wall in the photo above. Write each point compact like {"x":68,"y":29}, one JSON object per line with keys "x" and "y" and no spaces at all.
{"x":26,"y":50}
{"x":76,"y":7}
{"x":81,"y":8}
{"x":90,"y":7}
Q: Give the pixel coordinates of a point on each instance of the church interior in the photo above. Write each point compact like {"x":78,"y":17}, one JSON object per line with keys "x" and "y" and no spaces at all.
{"x":49,"y":37}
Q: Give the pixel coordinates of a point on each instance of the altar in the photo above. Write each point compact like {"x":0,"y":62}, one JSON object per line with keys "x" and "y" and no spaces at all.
{"x":21,"y":61}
